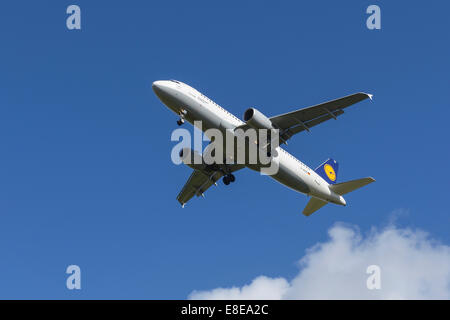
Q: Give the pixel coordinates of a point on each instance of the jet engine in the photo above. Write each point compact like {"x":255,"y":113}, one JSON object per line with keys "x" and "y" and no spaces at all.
{"x":257,"y":120}
{"x":192,"y":159}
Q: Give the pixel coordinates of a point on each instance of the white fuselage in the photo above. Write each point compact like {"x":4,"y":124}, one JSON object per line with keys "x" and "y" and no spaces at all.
{"x":194,"y":106}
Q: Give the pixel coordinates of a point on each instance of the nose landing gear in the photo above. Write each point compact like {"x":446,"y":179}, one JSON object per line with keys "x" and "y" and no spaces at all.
{"x":181,"y":114}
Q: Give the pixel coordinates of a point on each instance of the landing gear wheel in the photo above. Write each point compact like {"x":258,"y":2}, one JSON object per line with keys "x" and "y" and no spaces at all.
{"x":226,"y":180}
{"x":231,"y":177}
{"x":180,"y":122}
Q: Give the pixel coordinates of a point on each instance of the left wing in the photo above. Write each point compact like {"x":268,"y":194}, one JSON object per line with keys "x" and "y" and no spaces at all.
{"x":200,"y":181}
{"x":303,"y":119}
{"x":297,"y":121}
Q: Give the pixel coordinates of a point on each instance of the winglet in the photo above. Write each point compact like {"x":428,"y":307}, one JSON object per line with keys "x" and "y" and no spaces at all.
{"x":370,"y":96}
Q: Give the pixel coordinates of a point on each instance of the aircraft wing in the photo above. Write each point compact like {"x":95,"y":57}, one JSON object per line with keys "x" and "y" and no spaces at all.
{"x":297,"y":121}
{"x":200,"y":181}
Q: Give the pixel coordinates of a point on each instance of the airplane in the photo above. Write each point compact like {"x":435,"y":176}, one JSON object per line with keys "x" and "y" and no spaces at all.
{"x":319,"y":184}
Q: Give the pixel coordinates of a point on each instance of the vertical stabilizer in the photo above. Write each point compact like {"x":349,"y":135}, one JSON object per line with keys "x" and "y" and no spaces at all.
{"x":328,"y":171}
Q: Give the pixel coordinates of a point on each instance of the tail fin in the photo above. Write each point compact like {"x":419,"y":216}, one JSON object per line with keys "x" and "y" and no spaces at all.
{"x":328,"y":171}
{"x":349,"y":186}
{"x":313,"y":205}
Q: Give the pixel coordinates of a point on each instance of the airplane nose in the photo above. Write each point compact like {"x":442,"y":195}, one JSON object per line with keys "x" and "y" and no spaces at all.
{"x":164,"y":91}
{"x":157,"y":86}
{"x":160,"y":89}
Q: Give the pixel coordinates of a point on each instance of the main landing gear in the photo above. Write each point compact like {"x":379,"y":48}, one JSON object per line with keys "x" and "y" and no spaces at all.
{"x":180,"y":121}
{"x":228,"y":178}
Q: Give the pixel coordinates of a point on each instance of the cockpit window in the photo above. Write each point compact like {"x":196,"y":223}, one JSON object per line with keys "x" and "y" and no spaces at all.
{"x":175,"y":81}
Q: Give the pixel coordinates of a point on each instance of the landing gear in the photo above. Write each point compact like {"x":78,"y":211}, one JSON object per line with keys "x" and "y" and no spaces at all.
{"x":182,"y":113}
{"x":228,"y":178}
{"x":271,"y":154}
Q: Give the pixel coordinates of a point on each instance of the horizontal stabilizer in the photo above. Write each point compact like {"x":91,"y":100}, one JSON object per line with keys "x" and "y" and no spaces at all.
{"x":313,"y":205}
{"x":349,"y":186}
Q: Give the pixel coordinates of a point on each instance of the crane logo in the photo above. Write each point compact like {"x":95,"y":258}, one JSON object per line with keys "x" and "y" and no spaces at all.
{"x":329,"y":171}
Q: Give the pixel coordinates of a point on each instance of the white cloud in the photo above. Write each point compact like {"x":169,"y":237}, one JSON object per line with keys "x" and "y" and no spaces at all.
{"x":413,"y":266}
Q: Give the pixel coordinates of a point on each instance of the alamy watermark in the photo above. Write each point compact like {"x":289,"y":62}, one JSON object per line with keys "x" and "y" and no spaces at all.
{"x":74,"y":279}
{"x":250,"y":147}
{"x":374,"y":280}
{"x":73,"y":22}
{"x":374,"y":20}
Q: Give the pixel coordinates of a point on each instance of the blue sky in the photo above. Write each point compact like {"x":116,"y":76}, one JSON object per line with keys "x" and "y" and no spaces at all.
{"x":85,"y":171}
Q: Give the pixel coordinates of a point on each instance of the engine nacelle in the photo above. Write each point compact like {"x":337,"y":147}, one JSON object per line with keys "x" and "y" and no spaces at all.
{"x":192,"y":159}
{"x":257,"y":120}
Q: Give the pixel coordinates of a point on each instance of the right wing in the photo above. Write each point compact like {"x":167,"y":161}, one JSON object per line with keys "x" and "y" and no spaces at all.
{"x":200,"y":181}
